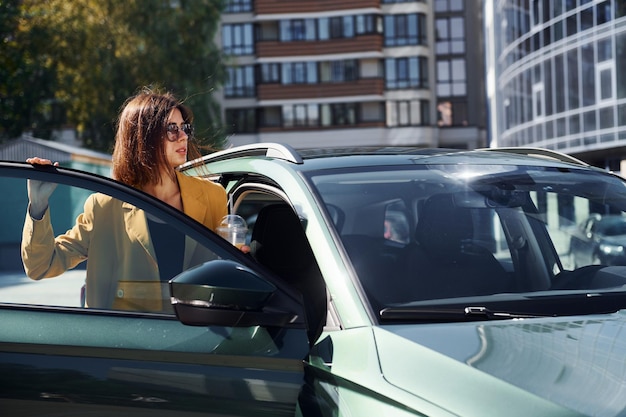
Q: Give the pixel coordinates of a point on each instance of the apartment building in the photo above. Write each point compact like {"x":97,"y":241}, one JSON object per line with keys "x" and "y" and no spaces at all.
{"x":322,"y":73}
{"x":557,"y":77}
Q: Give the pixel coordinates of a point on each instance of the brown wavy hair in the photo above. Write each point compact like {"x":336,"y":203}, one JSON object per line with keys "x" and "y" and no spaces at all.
{"x":139,"y":151}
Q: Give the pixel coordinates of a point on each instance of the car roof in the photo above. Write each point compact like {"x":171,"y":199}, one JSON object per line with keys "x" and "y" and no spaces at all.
{"x":380,"y":156}
{"x":310,"y":159}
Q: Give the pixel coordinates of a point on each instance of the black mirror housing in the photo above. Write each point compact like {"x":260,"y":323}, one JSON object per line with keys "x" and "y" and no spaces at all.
{"x":223,"y":293}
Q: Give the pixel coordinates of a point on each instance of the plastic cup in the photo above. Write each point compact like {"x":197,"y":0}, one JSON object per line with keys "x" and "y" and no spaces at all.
{"x":234,"y":229}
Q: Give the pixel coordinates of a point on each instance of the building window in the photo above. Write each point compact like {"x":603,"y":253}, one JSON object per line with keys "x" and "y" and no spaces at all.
{"x":323,"y":29}
{"x":405,"y":29}
{"x":573,"y":79}
{"x":241,"y":120}
{"x":407,"y":113}
{"x":270,"y":117}
{"x":451,"y":78}
{"x":588,"y":74}
{"x":237,"y":39}
{"x":450,"y":113}
{"x":238,"y":6}
{"x":372,"y":111}
{"x":559,"y":83}
{"x":270,"y":73}
{"x":450,"y":36}
{"x":339,"y":71}
{"x":300,"y":115}
{"x":347,"y":23}
{"x":448,"y":5}
{"x":342,"y":26}
{"x":368,"y":23}
{"x":240,"y":82}
{"x":299,"y":73}
{"x":335,"y":27}
{"x":605,"y":75}
{"x":605,"y":70}
{"x":297,"y":30}
{"x":538,"y":100}
{"x":408,"y":72}
{"x":604,"y":12}
{"x":338,"y":114}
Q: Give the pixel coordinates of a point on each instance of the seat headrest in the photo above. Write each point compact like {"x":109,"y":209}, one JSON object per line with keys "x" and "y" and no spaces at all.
{"x":442,"y":227}
{"x":278,"y":239}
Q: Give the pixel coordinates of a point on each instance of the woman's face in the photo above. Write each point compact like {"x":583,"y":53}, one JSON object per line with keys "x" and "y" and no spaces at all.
{"x":176,"y":140}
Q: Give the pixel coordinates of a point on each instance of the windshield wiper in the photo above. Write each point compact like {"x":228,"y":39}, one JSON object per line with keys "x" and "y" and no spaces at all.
{"x":450,"y":314}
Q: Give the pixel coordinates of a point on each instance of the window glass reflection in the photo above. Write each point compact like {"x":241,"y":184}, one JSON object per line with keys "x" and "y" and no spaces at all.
{"x":90,"y":250}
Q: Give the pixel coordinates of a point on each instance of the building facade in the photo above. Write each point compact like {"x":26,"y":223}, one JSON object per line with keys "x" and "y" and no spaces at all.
{"x":319,"y":73}
{"x":556,"y":76}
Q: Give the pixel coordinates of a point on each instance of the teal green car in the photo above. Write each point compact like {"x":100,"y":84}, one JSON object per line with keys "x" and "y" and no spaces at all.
{"x":379,"y":282}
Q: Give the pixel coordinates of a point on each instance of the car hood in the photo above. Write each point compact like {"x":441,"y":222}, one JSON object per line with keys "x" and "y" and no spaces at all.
{"x":568,"y":365}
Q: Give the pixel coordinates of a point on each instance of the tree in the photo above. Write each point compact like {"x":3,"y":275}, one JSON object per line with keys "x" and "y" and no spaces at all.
{"x":26,"y":79}
{"x":102,"y":51}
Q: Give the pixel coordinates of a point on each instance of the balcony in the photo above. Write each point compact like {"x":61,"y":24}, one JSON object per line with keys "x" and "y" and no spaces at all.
{"x":363,"y":43}
{"x":362,"y":87}
{"x":310,"y":6}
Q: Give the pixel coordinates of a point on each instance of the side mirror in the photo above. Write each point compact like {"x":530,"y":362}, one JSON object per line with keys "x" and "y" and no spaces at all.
{"x":224,"y":293}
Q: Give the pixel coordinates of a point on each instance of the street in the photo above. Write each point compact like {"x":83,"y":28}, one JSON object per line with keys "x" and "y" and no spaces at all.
{"x":59,"y":291}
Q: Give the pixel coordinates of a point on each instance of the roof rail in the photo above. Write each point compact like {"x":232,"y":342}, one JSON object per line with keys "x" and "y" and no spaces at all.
{"x":545,"y":153}
{"x":268,"y":149}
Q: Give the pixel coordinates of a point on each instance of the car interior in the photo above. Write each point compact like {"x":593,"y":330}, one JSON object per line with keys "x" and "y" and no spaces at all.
{"x":279,"y":243}
{"x":488,"y":238}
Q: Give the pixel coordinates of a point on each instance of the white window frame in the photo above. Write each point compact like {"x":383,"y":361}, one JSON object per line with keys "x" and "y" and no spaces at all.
{"x":608,"y":65}
{"x":539,"y":97}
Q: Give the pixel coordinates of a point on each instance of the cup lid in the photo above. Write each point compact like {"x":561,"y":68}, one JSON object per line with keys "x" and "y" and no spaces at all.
{"x":233,"y":221}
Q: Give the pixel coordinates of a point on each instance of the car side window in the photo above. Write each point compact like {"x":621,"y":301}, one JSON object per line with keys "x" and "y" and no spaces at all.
{"x":16,"y":287}
{"x":90,"y":250}
{"x":396,"y":224}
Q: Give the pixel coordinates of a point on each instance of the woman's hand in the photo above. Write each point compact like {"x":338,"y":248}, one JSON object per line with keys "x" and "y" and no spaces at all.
{"x":38,"y":191}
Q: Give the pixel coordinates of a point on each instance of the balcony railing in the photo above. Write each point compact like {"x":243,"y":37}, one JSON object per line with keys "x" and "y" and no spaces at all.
{"x":366,"y":86}
{"x":363,"y":43}
{"x":310,"y":6}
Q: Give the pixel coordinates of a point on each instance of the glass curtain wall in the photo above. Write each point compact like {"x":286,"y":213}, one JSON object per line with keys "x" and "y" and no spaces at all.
{"x":560,"y":73}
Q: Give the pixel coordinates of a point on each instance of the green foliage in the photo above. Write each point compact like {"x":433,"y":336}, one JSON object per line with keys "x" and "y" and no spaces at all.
{"x":75,"y":62}
{"x":26,"y":76}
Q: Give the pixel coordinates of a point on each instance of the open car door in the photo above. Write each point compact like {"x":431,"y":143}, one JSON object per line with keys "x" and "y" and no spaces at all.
{"x":231,"y":344}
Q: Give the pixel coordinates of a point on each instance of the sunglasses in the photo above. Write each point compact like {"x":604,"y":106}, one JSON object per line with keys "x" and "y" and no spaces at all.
{"x":173,"y":131}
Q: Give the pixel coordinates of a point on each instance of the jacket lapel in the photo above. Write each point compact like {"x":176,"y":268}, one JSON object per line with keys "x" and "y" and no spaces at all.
{"x":192,"y":198}
{"x":137,"y":227}
{"x":194,"y":208}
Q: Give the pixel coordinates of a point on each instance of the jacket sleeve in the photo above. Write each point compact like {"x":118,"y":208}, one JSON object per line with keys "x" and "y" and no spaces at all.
{"x":45,"y":256}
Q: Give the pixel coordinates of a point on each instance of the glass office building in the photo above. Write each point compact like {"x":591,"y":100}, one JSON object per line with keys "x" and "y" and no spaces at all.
{"x":556,"y":76}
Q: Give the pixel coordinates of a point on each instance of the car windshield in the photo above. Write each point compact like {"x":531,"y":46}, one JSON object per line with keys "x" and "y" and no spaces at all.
{"x":477,"y":235}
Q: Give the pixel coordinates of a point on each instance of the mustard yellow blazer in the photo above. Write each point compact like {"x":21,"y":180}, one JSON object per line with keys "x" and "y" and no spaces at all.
{"x":122,"y":271}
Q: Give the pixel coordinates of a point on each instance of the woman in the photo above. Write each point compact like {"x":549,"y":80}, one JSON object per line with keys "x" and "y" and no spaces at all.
{"x":133,"y":256}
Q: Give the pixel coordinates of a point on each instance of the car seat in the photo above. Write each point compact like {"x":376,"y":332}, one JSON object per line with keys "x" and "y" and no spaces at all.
{"x":446,"y":261}
{"x":278,"y":242}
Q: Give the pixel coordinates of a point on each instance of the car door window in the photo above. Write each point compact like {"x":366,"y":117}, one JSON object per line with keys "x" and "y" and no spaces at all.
{"x":16,"y":287}
{"x":123,"y":263}
{"x":128,"y":355}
